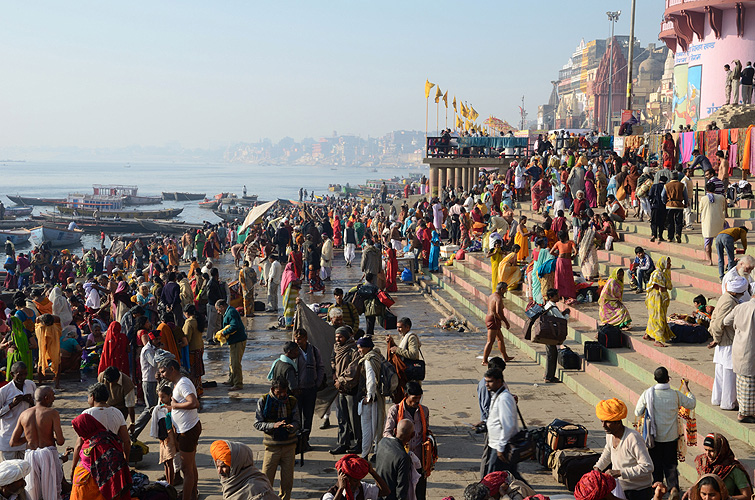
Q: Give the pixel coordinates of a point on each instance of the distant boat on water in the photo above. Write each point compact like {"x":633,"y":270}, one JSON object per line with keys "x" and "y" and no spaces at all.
{"x":183,"y":196}
{"x":56,"y":237}
{"x":17,"y":236}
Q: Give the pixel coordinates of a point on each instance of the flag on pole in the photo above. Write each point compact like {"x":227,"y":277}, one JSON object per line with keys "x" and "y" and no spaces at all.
{"x":463,"y":110}
{"x":459,"y":122}
{"x":454,"y":103}
{"x":472,"y":113}
{"x":438,"y":94}
{"x":428,"y":87}
{"x":445,"y":99}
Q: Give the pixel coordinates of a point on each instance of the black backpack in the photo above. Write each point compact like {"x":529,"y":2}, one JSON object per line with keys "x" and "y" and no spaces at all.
{"x":610,"y":336}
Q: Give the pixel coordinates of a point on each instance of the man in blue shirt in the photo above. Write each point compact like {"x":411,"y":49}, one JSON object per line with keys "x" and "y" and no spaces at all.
{"x":234,"y":333}
{"x":700,"y":161}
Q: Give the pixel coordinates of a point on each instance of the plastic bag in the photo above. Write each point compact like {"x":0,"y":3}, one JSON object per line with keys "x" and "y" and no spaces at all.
{"x":406,"y":275}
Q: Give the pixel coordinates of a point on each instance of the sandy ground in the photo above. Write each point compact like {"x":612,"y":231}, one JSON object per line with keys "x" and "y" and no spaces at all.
{"x":450,"y":393}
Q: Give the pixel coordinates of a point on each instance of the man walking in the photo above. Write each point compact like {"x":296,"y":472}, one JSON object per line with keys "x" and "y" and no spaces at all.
{"x":502,"y":426}
{"x":372,"y":262}
{"x":273,"y":280}
{"x":493,"y":321}
{"x":372,"y":401}
{"x":660,"y":404}
{"x":345,"y":365}
{"x":247,"y":279}
{"x":234,"y":333}
{"x":15,"y":397}
{"x":278,"y":417}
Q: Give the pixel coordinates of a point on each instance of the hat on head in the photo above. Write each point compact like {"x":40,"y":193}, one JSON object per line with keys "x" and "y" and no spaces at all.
{"x":365,"y":342}
{"x":13,"y":470}
{"x":611,"y":410}
{"x":737,"y":284}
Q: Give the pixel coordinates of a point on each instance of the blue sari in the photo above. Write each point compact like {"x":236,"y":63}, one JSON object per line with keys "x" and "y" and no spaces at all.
{"x":434,"y":251}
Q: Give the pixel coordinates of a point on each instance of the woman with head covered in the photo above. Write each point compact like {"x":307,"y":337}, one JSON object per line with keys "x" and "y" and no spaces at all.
{"x":351,"y":470}
{"x":239,"y":478}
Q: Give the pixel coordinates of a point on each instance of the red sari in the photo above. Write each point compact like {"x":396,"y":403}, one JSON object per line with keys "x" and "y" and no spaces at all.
{"x":337,"y":232}
{"x":391,"y":270}
{"x":115,"y":350}
{"x":102,"y":467}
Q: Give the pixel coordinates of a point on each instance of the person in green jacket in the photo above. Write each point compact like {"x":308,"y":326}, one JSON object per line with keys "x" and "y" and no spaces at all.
{"x":199,"y":242}
{"x":234,"y":334}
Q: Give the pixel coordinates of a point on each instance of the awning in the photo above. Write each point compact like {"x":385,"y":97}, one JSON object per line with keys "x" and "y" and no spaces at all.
{"x":255,"y":214}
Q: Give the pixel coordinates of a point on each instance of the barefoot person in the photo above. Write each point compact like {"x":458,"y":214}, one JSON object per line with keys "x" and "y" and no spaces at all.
{"x":39,"y":427}
{"x":493,"y":322}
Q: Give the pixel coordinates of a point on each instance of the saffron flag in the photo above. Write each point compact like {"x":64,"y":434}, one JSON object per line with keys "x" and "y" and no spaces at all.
{"x":445,"y":99}
{"x":428,"y":87}
{"x":472,"y":113}
{"x":459,"y":122}
{"x":438,"y":93}
{"x":463,"y":110}
{"x":454,"y":103}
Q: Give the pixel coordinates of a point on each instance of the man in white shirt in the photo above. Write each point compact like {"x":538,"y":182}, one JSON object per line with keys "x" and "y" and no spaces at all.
{"x":502,"y":426}
{"x":15,"y":398}
{"x":111,"y":419}
{"x":551,"y":351}
{"x":625,"y":451}
{"x":273,"y":279}
{"x":148,"y":363}
{"x":662,"y":403}
{"x":184,"y":406}
{"x":744,"y":269}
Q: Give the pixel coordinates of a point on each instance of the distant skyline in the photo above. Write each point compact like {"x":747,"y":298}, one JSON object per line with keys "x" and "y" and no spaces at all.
{"x":209,"y":74}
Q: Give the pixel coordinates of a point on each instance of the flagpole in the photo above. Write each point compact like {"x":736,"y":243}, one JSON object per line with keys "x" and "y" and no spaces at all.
{"x":446,"y":117}
{"x":437,"y":122}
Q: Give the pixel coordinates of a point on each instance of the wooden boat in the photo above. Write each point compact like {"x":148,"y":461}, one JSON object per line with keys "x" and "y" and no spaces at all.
{"x":17,"y":236}
{"x":167,"y":213}
{"x":143,"y":200}
{"x":55,"y":236}
{"x":229,"y":216}
{"x":90,"y":224}
{"x":183,"y":196}
{"x":128,"y":193}
{"x":209,"y":204}
{"x":26,"y":200}
{"x":18,"y":211}
{"x":161,"y":226}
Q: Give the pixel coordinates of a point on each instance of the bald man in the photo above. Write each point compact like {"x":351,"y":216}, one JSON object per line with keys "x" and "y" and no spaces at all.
{"x":392,"y":462}
{"x":39,"y":428}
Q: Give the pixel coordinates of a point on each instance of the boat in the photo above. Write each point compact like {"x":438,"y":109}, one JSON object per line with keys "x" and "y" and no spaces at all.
{"x":210,"y":204}
{"x":167,"y":213}
{"x":129,"y":193}
{"x":55,"y":236}
{"x":227,"y":216}
{"x":183,"y":196}
{"x":90,"y":224}
{"x":161,"y":226}
{"x":18,"y":211}
{"x":26,"y":200}
{"x":16,"y":236}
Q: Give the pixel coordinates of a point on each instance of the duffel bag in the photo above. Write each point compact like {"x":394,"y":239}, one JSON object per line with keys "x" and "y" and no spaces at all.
{"x":549,"y":330}
{"x":559,"y":462}
{"x":568,"y":359}
{"x":562,"y":435}
{"x":610,"y":336}
{"x":593,"y":351}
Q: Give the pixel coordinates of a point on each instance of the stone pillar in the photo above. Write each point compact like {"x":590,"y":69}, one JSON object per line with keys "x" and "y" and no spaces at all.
{"x":468,"y":179}
{"x":459,"y":182}
{"x":433,"y":181}
{"x":442,"y":179}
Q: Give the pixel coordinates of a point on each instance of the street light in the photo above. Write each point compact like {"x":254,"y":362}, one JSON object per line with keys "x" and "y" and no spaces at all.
{"x":613,"y":17}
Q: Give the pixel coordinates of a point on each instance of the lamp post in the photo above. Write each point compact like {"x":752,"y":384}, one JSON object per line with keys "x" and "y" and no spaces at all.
{"x":631,"y":57}
{"x":613,"y":17}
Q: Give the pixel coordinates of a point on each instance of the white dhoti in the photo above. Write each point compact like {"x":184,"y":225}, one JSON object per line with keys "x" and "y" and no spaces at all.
{"x":349,"y":252}
{"x":724,"y":393}
{"x":373,"y":421}
{"x":272,"y":296}
{"x":45,"y":475}
{"x":645,"y":205}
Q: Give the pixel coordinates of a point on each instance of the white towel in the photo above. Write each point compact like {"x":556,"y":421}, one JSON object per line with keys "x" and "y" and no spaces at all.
{"x":46,"y":473}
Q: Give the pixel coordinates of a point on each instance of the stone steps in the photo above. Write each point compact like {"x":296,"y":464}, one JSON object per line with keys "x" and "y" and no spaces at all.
{"x":466,"y":285}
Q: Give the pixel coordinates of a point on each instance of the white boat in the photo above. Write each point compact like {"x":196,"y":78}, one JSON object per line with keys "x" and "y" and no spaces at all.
{"x":17,"y":236}
{"x":56,"y":237}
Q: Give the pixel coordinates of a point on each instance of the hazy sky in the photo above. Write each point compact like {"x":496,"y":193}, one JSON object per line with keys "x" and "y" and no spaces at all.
{"x":206,"y":74}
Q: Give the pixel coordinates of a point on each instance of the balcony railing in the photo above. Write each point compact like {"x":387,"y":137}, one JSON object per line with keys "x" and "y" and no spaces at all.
{"x":477,"y":147}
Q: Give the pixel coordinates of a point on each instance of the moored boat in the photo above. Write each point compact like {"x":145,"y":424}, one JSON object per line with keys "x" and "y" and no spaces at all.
{"x":176,"y":196}
{"x":161,"y":226}
{"x":17,"y":236}
{"x":167,"y":213}
{"x":27,"y":200}
{"x":19,"y":211}
{"x":210,"y":204}
{"x":227,"y":216}
{"x":55,"y":236}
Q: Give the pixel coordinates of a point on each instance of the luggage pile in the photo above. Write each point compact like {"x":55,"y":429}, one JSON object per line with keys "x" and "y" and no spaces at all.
{"x":561,"y":446}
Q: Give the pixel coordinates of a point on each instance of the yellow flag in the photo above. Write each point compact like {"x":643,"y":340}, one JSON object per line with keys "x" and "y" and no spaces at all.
{"x":472,"y":113}
{"x":454,"y":103}
{"x":445,"y":99}
{"x":463,"y":110}
{"x":459,"y":122}
{"x":428,"y":87}
{"x":438,"y":93}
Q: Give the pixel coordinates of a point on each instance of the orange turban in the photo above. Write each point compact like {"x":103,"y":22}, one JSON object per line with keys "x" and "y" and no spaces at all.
{"x":221,"y":451}
{"x":611,"y":410}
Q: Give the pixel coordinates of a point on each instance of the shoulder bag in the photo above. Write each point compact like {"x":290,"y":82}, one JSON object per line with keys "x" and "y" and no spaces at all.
{"x":521,"y":447}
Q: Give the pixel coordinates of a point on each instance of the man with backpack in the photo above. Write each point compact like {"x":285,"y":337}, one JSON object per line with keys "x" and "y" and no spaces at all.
{"x":370,"y":396}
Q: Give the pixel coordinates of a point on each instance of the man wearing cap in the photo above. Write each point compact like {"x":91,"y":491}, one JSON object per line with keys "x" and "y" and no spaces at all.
{"x":724,"y":393}
{"x":625,"y":451}
{"x":742,"y":319}
{"x":12,"y":474}
{"x":351,"y":470}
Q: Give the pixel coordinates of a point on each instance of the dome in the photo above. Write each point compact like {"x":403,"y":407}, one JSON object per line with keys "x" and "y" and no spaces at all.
{"x":651,"y":68}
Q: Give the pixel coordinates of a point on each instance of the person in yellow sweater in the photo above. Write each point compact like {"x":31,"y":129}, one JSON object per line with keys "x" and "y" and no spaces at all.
{"x":725,"y":243}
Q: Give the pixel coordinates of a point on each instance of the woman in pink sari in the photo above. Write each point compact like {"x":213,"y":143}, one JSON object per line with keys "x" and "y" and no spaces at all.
{"x":337,"y":231}
{"x":539,"y":193}
{"x":590,"y":192}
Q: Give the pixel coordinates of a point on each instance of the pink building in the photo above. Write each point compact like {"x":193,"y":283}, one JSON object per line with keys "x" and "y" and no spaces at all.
{"x":704,"y":35}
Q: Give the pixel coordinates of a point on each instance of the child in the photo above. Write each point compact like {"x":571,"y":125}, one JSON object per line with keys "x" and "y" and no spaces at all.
{"x":643,"y":267}
{"x":162,"y":429}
